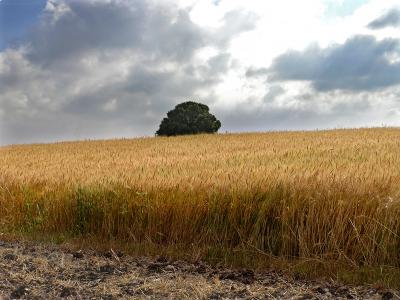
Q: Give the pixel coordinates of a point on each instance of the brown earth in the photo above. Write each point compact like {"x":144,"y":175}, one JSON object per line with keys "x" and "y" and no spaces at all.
{"x":34,"y":271}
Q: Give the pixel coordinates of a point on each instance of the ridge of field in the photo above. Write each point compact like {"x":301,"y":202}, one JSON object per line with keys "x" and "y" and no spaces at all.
{"x":250,"y":199}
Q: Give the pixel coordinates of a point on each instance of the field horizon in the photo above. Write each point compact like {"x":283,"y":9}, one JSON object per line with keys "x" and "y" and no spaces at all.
{"x":132,"y":138}
{"x":315,"y":203}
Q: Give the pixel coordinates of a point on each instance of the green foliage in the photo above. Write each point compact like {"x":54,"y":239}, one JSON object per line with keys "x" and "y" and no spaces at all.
{"x":188,"y":118}
{"x":33,"y":210}
{"x":85,"y":210}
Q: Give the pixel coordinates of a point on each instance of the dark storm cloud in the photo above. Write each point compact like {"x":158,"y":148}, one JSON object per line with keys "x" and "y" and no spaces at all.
{"x":109,"y":68}
{"x":311,"y":111}
{"x":94,"y":26}
{"x":113,"y":68}
{"x":391,"y":18}
{"x":360,"y":64}
{"x":273,"y":92}
{"x":218,"y":64}
{"x":146,"y":89}
{"x":255,"y":72}
{"x":161,"y":32}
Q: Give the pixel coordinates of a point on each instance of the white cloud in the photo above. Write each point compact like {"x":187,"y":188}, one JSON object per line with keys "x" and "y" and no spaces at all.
{"x":105,"y":68}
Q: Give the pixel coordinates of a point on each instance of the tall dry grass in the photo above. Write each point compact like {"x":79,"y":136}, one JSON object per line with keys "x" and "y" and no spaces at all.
{"x":323,"y":196}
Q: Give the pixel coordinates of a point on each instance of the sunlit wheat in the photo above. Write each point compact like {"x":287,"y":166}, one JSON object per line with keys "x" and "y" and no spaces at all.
{"x":327,"y":194}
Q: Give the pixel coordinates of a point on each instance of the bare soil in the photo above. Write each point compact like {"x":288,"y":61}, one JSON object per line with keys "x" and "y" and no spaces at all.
{"x":36,"y":271}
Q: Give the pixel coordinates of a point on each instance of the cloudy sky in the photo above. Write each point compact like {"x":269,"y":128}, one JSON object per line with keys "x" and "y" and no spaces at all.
{"x":84,"y":69}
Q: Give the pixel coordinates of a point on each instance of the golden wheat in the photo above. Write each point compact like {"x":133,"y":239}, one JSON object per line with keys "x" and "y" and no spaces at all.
{"x":326,"y":195}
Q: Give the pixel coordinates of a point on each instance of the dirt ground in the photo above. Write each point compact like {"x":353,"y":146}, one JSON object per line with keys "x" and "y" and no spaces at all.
{"x":34,"y":271}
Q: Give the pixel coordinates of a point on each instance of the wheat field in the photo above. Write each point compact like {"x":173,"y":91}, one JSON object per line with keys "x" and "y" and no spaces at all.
{"x":320,"y":196}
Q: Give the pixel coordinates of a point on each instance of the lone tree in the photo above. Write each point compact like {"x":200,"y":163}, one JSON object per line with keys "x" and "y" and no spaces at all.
{"x":188,"y":118}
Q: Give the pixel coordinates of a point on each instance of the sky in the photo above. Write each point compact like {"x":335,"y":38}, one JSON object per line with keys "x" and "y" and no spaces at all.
{"x":99,"y":69}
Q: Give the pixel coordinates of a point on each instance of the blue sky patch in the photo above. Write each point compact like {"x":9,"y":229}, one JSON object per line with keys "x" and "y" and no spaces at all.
{"x":16,"y":19}
{"x":346,"y":8}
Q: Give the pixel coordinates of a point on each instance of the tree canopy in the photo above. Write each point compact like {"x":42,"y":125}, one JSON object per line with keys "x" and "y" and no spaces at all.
{"x":188,"y":118}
